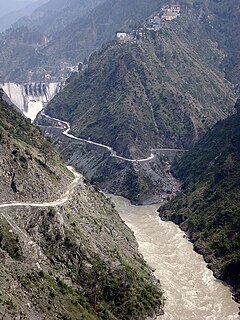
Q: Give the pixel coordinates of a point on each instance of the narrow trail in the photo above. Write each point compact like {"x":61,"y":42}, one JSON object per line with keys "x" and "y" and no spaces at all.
{"x":64,"y":197}
{"x":113,"y":153}
{"x":33,"y":250}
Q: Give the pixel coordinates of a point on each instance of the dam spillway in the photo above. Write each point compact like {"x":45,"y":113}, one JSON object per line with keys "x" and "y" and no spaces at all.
{"x":31,"y":97}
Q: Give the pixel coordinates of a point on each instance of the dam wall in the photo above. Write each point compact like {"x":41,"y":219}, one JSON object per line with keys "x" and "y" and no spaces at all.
{"x":31,"y":98}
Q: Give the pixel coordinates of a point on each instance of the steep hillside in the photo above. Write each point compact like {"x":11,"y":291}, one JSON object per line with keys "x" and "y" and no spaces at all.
{"x":71,"y":32}
{"x":208,"y":208}
{"x":74,"y":260}
{"x":160,"y":91}
{"x":74,"y":29}
{"x":27,"y":160}
{"x":221,"y":21}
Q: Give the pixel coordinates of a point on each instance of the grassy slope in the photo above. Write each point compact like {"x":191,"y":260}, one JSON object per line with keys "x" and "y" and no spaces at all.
{"x":26,"y":154}
{"x":162,"y":91}
{"x":208,"y":208}
{"x":90,"y":266}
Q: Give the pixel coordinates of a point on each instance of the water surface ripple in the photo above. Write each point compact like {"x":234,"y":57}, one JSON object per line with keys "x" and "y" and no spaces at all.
{"x":191,"y":291}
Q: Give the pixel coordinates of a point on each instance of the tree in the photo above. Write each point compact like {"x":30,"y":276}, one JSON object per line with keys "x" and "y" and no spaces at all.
{"x":228,"y":164}
{"x":46,"y":149}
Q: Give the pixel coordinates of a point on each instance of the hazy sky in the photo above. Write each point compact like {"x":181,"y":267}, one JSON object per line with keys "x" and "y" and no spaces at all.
{"x":12,"y":5}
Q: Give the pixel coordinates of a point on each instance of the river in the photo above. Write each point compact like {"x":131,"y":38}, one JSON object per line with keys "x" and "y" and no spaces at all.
{"x":191,"y":291}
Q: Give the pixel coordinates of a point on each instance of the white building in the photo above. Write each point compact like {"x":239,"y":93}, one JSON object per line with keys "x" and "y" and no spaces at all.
{"x":121,"y":35}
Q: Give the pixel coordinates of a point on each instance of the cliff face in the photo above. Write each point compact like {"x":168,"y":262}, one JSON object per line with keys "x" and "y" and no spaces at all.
{"x":77,"y":260}
{"x":208,"y":208}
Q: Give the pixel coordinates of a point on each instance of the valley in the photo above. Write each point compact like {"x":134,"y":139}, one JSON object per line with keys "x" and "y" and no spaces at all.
{"x":191,"y":291}
{"x":119,"y":161}
{"x":62,"y":258}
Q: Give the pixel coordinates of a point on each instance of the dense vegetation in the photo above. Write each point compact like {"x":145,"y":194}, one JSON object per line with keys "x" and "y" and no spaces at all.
{"x":208,"y":208}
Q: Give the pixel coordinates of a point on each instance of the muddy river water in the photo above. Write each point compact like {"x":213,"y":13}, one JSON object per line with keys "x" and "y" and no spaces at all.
{"x":191,"y":291}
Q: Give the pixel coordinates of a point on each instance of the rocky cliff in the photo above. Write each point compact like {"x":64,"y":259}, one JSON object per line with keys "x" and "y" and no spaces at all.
{"x":74,"y":260}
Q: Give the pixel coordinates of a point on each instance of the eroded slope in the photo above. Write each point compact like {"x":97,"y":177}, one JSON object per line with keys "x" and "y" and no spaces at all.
{"x":74,"y":260}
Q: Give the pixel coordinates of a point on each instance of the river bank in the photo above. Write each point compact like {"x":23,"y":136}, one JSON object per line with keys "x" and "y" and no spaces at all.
{"x":191,"y":291}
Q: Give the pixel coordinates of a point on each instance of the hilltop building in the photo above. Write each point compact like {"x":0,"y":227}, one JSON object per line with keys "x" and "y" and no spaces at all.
{"x":121,"y":35}
{"x":169,"y":16}
{"x":173,"y":8}
{"x":170,"y":12}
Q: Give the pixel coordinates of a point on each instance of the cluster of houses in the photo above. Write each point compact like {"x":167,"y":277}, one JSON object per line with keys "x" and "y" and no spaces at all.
{"x":170,"y":12}
{"x":167,"y":13}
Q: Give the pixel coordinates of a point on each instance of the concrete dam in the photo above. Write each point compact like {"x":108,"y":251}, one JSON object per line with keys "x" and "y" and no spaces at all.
{"x":31,"y":98}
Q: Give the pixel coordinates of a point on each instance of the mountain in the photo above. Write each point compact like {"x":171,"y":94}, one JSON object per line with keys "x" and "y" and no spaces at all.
{"x":162,"y":91}
{"x":71,"y":33}
{"x":8,"y":18}
{"x":11,"y":5}
{"x":208,"y":208}
{"x":73,"y":30}
{"x":23,"y":45}
{"x":53,"y":16}
{"x":74,"y":260}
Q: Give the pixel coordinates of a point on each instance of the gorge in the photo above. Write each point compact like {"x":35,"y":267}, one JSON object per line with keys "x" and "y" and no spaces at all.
{"x":191,"y":291}
{"x":150,"y":122}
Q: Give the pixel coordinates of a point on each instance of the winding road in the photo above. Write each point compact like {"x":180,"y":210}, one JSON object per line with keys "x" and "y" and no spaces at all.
{"x":110,"y":149}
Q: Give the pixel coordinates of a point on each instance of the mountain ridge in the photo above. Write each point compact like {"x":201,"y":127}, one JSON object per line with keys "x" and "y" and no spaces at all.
{"x":84,"y":34}
{"x":130,"y":87}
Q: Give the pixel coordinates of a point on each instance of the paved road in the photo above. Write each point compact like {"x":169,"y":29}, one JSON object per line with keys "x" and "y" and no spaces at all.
{"x":110,"y":149}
